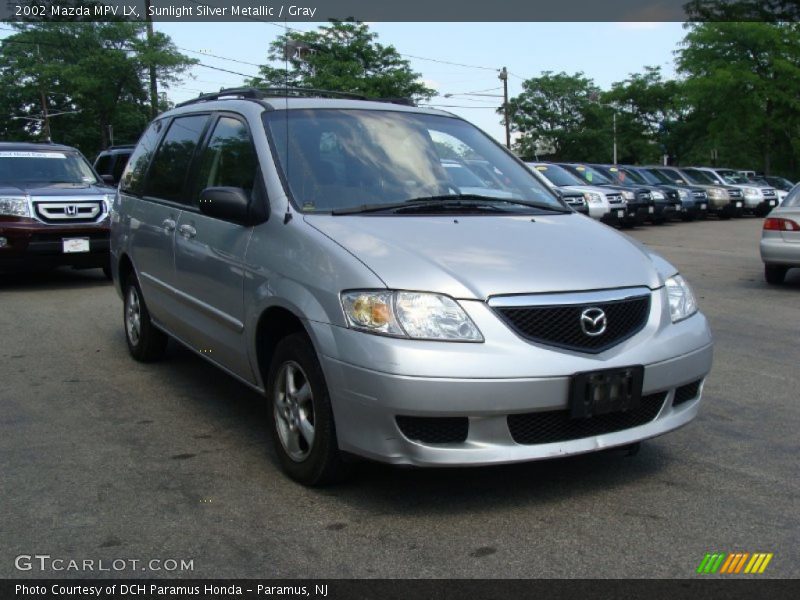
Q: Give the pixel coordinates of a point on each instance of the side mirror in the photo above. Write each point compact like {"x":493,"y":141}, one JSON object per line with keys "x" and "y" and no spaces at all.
{"x":229,"y":204}
{"x":108,"y":179}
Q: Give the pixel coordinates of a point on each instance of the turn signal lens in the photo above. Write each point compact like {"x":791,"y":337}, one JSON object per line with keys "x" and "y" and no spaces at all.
{"x":776,"y":224}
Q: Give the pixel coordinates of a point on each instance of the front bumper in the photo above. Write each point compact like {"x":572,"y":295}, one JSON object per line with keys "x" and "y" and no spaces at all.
{"x":33,"y":245}
{"x":373,"y":380}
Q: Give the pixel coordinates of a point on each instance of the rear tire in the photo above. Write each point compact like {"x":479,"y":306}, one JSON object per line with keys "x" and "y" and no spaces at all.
{"x":145,"y":342}
{"x":775,"y":274}
{"x":301,"y":416}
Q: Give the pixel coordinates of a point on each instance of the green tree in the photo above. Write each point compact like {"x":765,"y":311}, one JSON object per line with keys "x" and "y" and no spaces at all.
{"x":742,"y":81}
{"x":95,"y":72}
{"x":650,"y":115}
{"x":558,"y":115}
{"x":343,"y":57}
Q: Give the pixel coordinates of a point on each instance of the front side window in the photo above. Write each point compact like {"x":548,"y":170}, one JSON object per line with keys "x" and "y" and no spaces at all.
{"x":342,"y":159}
{"x":229,"y":159}
{"x":170,"y":166}
{"x":732,"y":177}
{"x":44,"y":167}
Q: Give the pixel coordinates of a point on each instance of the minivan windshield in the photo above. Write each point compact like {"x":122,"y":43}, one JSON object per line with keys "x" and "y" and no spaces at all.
{"x":45,"y":167}
{"x":589,"y":174}
{"x":700,"y":177}
{"x":557,"y":175}
{"x":337,"y":160}
{"x":732,"y":177}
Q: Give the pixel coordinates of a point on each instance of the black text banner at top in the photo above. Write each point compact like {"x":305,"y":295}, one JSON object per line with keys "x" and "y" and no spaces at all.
{"x":406,"y":11}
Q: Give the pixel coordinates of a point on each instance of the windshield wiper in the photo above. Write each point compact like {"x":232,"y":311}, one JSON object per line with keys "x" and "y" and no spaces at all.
{"x":454,"y":200}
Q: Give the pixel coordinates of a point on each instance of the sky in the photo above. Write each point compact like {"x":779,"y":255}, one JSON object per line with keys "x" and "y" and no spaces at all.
{"x":606,"y":52}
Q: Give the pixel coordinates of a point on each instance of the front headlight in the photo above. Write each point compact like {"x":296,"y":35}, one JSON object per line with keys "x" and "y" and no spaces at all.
{"x":717,"y":193}
{"x":414,"y":315}
{"x":683,"y":194}
{"x":751,"y":193}
{"x":592,"y":197}
{"x":682,"y":304}
{"x":14,"y":207}
{"x":658,"y":195}
{"x":109,"y":202}
{"x":628,"y":195}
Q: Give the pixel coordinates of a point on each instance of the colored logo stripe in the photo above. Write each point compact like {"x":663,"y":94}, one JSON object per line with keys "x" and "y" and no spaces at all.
{"x":734,"y":563}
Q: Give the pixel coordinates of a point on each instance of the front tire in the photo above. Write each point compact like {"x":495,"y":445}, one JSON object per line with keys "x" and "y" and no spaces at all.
{"x":300,"y":414}
{"x":775,"y":274}
{"x":145,"y":342}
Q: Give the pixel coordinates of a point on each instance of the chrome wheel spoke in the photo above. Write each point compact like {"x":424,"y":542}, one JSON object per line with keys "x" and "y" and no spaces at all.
{"x":306,"y":430}
{"x":293,"y":404}
{"x":303,"y":395}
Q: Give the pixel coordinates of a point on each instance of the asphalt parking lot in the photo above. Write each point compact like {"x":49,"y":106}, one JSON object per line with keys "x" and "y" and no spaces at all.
{"x":105,"y":458}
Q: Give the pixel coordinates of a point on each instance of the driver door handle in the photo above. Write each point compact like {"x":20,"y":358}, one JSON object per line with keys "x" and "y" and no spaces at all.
{"x":187,"y":231}
{"x":169,"y":225}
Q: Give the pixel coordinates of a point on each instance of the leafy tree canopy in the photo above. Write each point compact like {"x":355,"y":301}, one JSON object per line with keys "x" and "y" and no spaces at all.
{"x":343,"y":56}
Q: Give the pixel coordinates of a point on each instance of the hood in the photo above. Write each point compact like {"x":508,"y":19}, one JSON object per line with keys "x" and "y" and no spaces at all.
{"x":591,"y":189}
{"x":478,"y":257}
{"x":55,"y":190}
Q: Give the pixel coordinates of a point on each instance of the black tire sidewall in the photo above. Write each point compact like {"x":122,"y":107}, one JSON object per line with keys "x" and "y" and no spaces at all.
{"x":323,"y":464}
{"x":152,"y":342}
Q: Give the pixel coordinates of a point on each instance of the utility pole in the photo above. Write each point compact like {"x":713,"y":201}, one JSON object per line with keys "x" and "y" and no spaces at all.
{"x":504,"y":77}
{"x":45,"y":117}
{"x":614,"y":120}
{"x":153,"y":83}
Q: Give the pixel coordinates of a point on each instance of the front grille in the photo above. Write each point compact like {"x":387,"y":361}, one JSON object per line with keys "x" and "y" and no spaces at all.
{"x":557,"y":425}
{"x":735,"y":193}
{"x":687,"y":392}
{"x":434,"y":430}
{"x":84,"y":211}
{"x":699,"y":195}
{"x":614,"y":198}
{"x":768,"y":193}
{"x":560,"y":325}
{"x":574,"y":201}
{"x":645,"y":196}
{"x":673,"y":195}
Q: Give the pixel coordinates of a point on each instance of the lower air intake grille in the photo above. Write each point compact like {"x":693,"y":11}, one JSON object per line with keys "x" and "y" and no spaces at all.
{"x":687,"y":392}
{"x":434,"y":430}
{"x":558,"y":426}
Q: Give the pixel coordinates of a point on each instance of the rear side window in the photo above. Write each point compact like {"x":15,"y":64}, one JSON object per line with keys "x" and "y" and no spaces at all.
{"x":229,"y":159}
{"x":167,"y":174}
{"x":133,"y":177}
{"x":103,"y":165}
{"x":119,"y":165}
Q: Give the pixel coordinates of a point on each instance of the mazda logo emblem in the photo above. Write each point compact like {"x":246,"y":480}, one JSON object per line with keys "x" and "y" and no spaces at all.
{"x":593,"y":321}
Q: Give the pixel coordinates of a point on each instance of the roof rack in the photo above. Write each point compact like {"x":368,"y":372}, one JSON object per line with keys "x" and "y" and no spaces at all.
{"x":253,"y":93}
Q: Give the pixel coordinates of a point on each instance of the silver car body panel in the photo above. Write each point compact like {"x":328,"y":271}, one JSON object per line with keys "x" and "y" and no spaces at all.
{"x":211,"y":289}
{"x":782,"y":247}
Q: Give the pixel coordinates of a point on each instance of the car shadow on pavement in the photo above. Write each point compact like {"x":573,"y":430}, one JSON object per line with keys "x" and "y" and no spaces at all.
{"x":378,"y":488}
{"x":63,"y":278}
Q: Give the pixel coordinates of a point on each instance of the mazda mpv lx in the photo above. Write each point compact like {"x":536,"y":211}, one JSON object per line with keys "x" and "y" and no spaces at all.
{"x":316,"y":249}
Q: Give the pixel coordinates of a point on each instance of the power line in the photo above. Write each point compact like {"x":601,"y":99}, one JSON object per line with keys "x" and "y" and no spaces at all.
{"x":235,"y":60}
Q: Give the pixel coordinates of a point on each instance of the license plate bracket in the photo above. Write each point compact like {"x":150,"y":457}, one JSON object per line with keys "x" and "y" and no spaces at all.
{"x":609,"y":390}
{"x":72,"y":245}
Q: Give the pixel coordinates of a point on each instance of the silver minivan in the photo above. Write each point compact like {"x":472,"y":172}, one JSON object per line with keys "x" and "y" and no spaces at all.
{"x":316,"y":249}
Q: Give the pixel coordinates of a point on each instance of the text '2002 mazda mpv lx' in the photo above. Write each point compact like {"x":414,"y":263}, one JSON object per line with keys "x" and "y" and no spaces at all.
{"x":317,"y":250}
